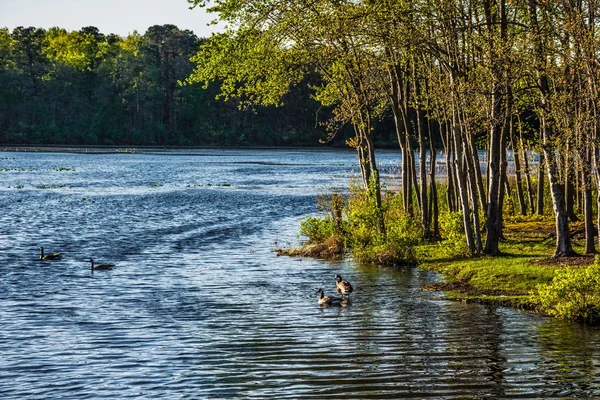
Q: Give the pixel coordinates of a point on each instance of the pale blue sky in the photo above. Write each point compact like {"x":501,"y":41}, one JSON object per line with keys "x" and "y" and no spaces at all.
{"x":109,"y":16}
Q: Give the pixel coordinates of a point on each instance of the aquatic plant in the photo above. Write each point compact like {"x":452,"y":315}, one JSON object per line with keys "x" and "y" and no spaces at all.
{"x":62,"y":169}
{"x":50,"y":186}
{"x":18,"y":169}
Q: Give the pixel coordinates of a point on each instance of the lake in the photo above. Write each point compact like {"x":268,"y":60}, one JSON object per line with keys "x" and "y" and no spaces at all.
{"x":199,"y":306}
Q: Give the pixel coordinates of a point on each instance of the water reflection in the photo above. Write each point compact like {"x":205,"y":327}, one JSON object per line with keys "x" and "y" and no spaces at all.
{"x":569,"y":358}
{"x":200,"y":306}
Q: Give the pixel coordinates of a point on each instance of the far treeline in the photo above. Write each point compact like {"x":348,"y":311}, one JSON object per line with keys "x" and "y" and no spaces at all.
{"x":89,"y":88}
{"x":516,"y":78}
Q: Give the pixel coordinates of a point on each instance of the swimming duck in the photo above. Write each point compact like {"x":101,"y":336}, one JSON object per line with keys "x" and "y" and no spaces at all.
{"x":326,"y":300}
{"x":344,"y":288}
{"x":51,"y":256}
{"x":100,"y":266}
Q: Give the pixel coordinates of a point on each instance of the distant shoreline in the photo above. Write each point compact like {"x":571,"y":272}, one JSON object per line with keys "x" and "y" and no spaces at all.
{"x":151,"y":149}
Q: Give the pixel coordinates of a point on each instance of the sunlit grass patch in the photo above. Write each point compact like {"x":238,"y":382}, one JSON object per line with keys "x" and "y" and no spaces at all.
{"x":512,"y":278}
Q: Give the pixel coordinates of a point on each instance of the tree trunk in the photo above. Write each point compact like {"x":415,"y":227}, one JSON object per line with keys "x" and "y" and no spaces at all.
{"x":462,"y":181}
{"x":519,"y":182}
{"x":590,"y":245}
{"x":425,"y":221}
{"x":563,"y":239}
{"x":528,"y":180}
{"x":494,"y":211}
{"x":445,"y":134}
{"x":474,"y":200}
{"x":434,"y":214}
{"x":539,"y":209}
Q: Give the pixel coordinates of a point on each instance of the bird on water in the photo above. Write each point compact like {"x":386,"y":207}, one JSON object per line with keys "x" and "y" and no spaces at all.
{"x":344,"y":288}
{"x":51,"y":256}
{"x":100,"y":267}
{"x":327,"y":300}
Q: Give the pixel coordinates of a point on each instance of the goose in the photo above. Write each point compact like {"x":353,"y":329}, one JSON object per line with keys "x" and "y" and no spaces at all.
{"x":344,"y":288}
{"x":326,"y":300}
{"x":51,"y":256}
{"x":100,"y":266}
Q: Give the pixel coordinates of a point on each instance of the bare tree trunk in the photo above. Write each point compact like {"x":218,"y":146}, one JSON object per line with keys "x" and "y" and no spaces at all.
{"x":590,"y":245}
{"x":563,"y":239}
{"x":528,"y":181}
{"x":519,"y":182}
{"x":401,"y":127}
{"x":363,"y":158}
{"x":409,"y":177}
{"x":539,"y":209}
{"x":462,"y":181}
{"x":597,"y":173}
{"x":569,"y":175}
{"x":425,"y":221}
{"x":375,"y":182}
{"x":445,"y":134}
{"x":494,"y":211}
{"x":415,"y":181}
{"x":477,"y":167}
{"x":474,"y":200}
{"x":434,"y":213}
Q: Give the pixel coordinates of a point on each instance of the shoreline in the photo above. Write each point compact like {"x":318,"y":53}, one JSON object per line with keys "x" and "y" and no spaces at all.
{"x":110,"y":149}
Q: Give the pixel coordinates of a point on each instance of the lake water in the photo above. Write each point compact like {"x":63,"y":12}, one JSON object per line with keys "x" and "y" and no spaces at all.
{"x":199,"y":306}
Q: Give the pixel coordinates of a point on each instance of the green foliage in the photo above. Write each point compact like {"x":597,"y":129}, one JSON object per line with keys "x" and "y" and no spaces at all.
{"x":395,"y":246}
{"x":573,"y":294}
{"x":453,"y":233}
{"x":356,"y":221}
{"x":318,"y":230}
{"x":86,"y":87}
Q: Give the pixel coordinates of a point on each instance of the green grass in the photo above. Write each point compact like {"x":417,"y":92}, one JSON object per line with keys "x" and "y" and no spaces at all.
{"x":511,"y":278}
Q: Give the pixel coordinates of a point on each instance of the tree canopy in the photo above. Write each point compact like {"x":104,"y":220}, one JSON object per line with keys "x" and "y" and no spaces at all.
{"x":88,"y":87}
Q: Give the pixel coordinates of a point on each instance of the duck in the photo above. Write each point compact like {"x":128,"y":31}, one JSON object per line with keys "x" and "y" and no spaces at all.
{"x":51,"y":256}
{"x":344,"y":288}
{"x":100,"y":266}
{"x":326,"y":300}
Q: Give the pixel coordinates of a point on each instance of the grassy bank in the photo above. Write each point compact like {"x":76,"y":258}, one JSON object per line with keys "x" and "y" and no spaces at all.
{"x":511,"y":279}
{"x":524,"y":276}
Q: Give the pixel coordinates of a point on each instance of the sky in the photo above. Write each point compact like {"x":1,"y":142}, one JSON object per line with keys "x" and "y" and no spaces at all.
{"x":109,"y":16}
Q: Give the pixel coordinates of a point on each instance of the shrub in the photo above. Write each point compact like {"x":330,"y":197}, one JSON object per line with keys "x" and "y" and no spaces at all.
{"x":573,"y":294}
{"x":354,"y":223}
{"x":453,"y":233}
{"x":318,"y":230}
{"x":394,"y":247}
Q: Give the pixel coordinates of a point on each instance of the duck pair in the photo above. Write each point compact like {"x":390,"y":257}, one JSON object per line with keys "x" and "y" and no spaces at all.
{"x":344,"y":288}
{"x":58,"y":256}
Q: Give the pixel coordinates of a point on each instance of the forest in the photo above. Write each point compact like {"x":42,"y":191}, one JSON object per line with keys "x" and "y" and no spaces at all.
{"x":89,"y":88}
{"x":517,"y":79}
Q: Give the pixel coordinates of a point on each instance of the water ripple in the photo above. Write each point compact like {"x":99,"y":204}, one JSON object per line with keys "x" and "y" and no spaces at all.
{"x":199,"y":306}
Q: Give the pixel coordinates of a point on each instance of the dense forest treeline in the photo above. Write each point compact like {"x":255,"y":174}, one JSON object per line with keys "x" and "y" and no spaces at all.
{"x":87,"y":87}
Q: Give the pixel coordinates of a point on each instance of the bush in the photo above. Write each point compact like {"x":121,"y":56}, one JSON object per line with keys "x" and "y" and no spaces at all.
{"x":573,"y":294}
{"x":452,"y":230}
{"x":402,"y":233}
{"x":354,"y":223}
{"x":318,"y":230}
